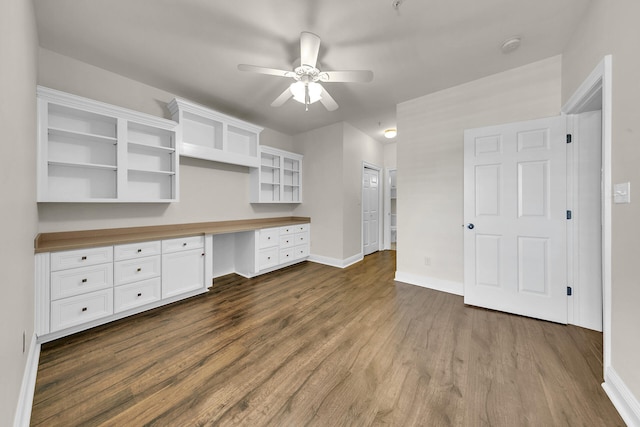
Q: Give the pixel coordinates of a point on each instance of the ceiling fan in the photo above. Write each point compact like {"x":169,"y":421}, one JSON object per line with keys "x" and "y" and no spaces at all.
{"x":307,"y":88}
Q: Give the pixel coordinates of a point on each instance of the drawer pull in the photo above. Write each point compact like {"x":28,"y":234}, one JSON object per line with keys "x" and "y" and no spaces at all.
{"x":202,"y":254}
{"x":139,"y":294}
{"x":84,"y":308}
{"x":268,"y":257}
{"x":84,"y":258}
{"x":84,"y":280}
{"x":139,"y":250}
{"x":269,"y":238}
{"x":287,"y":241}
{"x":184,"y":244}
{"x":139,"y":269}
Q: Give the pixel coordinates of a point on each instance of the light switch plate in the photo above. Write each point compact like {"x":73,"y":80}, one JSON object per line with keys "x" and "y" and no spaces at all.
{"x":622,"y":193}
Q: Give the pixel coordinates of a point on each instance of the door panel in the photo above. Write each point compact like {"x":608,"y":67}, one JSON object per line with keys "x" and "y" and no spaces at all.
{"x":370,"y":212}
{"x":515,"y":256}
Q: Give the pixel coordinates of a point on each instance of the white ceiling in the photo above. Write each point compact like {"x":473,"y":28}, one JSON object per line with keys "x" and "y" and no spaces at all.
{"x":192,"y":47}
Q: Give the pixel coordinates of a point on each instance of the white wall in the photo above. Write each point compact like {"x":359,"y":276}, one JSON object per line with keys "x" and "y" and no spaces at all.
{"x":612,"y":28}
{"x":322,"y":188}
{"x":357,"y":147}
{"x":209,"y":191}
{"x":430,"y":160}
{"x":18,"y":221}
{"x":332,"y":183}
{"x":390,"y":152}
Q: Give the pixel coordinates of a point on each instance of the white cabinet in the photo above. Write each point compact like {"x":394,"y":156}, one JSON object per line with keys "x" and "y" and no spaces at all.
{"x":82,"y":288}
{"x":279,"y":177}
{"x":210,"y":135}
{"x":182,"y":265}
{"x":281,"y":246}
{"x":90,"y":151}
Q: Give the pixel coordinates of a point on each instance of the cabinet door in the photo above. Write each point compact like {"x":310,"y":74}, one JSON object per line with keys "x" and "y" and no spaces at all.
{"x":182,"y":272}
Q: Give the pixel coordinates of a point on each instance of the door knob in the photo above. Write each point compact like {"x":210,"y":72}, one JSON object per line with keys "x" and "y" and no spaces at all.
{"x":470,"y":226}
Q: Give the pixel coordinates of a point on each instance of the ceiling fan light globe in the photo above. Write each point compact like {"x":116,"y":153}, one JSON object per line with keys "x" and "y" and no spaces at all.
{"x":297,"y":90}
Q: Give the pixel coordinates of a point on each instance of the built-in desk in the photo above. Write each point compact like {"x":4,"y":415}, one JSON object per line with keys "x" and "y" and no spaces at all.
{"x":90,"y":277}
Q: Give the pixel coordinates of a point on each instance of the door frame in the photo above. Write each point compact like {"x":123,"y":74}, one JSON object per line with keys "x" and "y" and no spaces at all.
{"x":387,"y":209}
{"x":598,"y":83}
{"x":367,"y":165}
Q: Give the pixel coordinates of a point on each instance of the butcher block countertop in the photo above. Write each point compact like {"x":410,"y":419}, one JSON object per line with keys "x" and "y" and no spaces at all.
{"x":68,"y":240}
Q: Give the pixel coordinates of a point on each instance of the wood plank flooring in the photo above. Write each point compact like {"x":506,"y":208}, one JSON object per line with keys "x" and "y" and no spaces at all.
{"x":316,"y":345}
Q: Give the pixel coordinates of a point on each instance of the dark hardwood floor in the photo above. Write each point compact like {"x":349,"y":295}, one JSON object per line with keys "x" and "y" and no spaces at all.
{"x":316,"y":345}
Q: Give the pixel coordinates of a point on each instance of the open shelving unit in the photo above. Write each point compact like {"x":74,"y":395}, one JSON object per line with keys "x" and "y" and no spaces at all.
{"x":210,"y":135}
{"x":89,"y":151}
{"x":279,"y":177}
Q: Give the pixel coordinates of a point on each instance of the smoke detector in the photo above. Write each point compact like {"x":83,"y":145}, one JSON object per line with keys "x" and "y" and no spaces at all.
{"x":510,"y":45}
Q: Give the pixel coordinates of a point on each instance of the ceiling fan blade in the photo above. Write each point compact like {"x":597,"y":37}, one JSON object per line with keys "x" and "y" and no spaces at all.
{"x":329,"y":103}
{"x":309,"y":47}
{"x":360,"y":76}
{"x":284,"y":97}
{"x":265,"y":70}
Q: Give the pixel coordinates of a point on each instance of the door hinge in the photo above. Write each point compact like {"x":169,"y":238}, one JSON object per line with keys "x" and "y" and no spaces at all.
{"x":569,"y":141}
{"x":568,"y":214}
{"x":569,"y":291}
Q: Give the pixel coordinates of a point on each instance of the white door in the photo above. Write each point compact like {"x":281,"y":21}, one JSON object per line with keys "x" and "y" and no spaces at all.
{"x":370,"y":210}
{"x":515,"y":241}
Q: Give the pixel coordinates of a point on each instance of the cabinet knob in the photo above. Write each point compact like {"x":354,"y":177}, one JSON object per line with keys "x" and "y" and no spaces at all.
{"x":184,"y":244}
{"x":84,"y":280}
{"x":84,"y":258}
{"x":139,"y":269}
{"x":139,"y":294}
{"x":139,"y":250}
{"x":84,"y":308}
{"x":268,"y":257}
{"x":203,"y":254}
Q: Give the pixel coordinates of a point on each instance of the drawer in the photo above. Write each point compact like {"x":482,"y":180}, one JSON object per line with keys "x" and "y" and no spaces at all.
{"x":287,"y":241}
{"x":287,"y":229}
{"x":268,"y":258}
{"x":269,"y":237}
{"x":133,"y":270}
{"x":182,"y":244}
{"x":80,"y":309}
{"x":301,"y":238}
{"x":76,"y":281}
{"x":301,"y":251}
{"x":300,"y":228}
{"x":136,"y":250}
{"x":136,"y":294}
{"x":287,"y":255}
{"x":81,"y":258}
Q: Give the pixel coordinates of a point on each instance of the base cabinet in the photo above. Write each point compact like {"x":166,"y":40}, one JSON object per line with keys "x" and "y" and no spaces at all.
{"x":182,"y":272}
{"x":281,"y":246}
{"x":83,"y":288}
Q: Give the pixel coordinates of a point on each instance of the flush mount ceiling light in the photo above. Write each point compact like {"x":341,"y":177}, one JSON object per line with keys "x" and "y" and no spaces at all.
{"x":390,"y":133}
{"x":510,"y":45}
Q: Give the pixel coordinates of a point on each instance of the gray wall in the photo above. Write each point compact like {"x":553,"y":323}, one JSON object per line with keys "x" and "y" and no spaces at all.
{"x":18,"y":47}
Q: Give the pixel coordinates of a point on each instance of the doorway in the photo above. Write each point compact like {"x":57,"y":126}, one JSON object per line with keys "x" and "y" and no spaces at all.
{"x":370,"y":209}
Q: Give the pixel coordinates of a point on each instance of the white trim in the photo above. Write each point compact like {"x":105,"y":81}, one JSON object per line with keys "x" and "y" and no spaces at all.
{"x":335,"y":262}
{"x":27,"y":389}
{"x":456,"y":288}
{"x":622,"y":398}
{"x":601,"y":76}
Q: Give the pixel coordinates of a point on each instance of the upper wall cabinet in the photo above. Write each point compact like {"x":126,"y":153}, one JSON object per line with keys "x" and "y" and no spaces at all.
{"x":279,"y":177}
{"x":89,"y":151}
{"x":209,"y":135}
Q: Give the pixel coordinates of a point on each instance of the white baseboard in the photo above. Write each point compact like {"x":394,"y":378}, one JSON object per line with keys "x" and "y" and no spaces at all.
{"x":625,"y":402}
{"x":28,"y":387}
{"x":448,"y":286}
{"x":335,"y":262}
